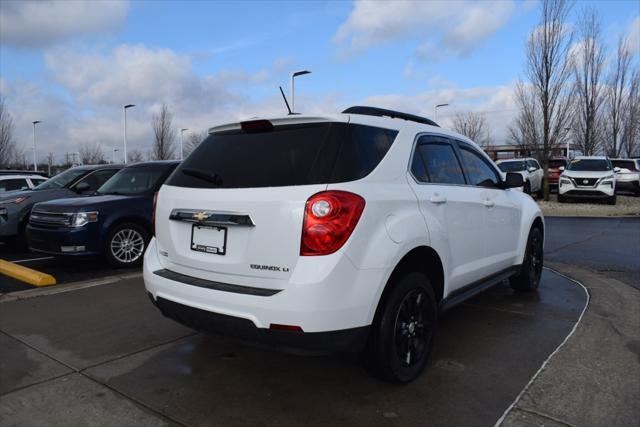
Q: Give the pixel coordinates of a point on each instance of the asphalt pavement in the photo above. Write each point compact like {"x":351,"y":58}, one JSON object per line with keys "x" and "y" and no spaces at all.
{"x":104,"y":354}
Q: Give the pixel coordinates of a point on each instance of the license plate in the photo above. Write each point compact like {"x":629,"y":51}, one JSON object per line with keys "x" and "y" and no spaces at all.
{"x":209,"y":239}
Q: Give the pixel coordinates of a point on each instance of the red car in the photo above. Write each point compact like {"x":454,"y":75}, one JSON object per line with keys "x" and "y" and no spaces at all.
{"x":554,"y":170}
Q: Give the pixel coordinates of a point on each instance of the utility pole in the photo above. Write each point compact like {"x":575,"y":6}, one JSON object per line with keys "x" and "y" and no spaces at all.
{"x":124,"y":112}
{"x":35,"y":162}
{"x":182,"y":143}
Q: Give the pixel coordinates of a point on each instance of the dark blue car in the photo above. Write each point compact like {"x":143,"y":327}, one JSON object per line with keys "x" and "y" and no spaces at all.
{"x":115,"y":223}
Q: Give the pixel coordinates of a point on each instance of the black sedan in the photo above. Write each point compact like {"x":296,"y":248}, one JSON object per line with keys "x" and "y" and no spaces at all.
{"x":115,"y":223}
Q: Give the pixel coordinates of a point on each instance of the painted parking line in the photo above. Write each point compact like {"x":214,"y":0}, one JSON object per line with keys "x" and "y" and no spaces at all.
{"x":33,"y":259}
{"x":25,"y":274}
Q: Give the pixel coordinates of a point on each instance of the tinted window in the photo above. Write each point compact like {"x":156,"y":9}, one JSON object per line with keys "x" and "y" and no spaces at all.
{"x":62,"y":180}
{"x":598,"y":165}
{"x":440,"y":162}
{"x":512,"y":166}
{"x":625,"y":164}
{"x":97,"y":178}
{"x":312,"y":153}
{"x":13,"y":184}
{"x":479,"y":172}
{"x":135,"y":180}
{"x":37,"y":181}
{"x":556,"y":163}
{"x":417,"y":168}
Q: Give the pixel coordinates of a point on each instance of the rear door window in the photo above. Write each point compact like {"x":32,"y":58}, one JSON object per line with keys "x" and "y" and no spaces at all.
{"x":97,"y":178}
{"x":439,"y":160}
{"x":13,"y":184}
{"x":303,"y":154}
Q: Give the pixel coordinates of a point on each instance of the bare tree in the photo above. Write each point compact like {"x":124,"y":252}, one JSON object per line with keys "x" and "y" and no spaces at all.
{"x":91,"y":154}
{"x":631,"y":117}
{"x":548,"y":70}
{"x":616,"y":94}
{"x":7,"y":143}
{"x":194,"y":139}
{"x":162,"y":124}
{"x":472,"y":125}
{"x":588,"y":64}
{"x":525,"y":131}
{"x":135,"y":156}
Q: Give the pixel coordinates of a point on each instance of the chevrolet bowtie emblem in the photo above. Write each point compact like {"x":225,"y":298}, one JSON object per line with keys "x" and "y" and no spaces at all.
{"x":200,"y":216}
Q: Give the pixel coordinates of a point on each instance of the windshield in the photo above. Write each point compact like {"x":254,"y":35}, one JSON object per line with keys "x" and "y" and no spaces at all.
{"x":594,"y":165}
{"x":512,"y":166}
{"x":625,"y":164}
{"x":61,"y":180}
{"x":553,"y":164}
{"x":133,"y":180}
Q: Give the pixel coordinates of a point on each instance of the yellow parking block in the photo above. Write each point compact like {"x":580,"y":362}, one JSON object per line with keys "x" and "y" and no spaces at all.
{"x":27,"y":275}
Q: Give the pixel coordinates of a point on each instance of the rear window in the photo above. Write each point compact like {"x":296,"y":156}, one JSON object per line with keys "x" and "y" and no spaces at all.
{"x":311,"y":153}
{"x":625,"y":164}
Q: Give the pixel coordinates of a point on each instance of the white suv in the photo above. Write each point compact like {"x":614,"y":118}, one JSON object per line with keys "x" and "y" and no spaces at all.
{"x":530,"y":170}
{"x":588,"y":177}
{"x":627,"y":175}
{"x":341,"y":232}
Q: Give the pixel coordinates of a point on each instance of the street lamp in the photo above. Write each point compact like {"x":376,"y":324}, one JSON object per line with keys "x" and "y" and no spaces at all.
{"x":293,"y":76}
{"x":114,"y":155}
{"x":181,"y":143}
{"x":124,"y":112}
{"x":35,"y":163}
{"x":435,"y":110}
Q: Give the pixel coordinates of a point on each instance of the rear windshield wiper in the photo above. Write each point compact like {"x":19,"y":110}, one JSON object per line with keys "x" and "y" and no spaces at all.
{"x":204,"y":175}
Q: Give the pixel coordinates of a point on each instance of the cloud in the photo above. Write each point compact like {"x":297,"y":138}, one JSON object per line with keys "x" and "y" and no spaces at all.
{"x":495,"y":102}
{"x":35,"y":24}
{"x":633,"y":36}
{"x":85,"y":104}
{"x":446,"y":28}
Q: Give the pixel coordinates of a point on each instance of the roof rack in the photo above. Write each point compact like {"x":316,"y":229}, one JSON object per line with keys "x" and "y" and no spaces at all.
{"x":381,"y":112}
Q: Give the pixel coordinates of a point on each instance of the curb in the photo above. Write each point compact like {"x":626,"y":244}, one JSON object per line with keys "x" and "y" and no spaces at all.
{"x":26,"y":274}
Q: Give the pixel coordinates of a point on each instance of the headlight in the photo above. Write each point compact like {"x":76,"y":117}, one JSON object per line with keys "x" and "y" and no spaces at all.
{"x":608,"y":183}
{"x":83,"y":218}
{"x":565,"y":181}
{"x":17,"y":200}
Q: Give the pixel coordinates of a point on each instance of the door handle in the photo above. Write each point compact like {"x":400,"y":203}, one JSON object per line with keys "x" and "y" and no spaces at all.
{"x":488,"y":203}
{"x":438,"y":199}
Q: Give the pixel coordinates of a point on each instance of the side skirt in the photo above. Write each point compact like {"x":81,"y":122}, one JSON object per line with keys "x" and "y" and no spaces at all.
{"x":472,"y":289}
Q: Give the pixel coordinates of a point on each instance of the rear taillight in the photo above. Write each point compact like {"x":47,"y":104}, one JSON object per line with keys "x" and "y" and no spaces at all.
{"x":329,"y":219}
{"x":153,"y":214}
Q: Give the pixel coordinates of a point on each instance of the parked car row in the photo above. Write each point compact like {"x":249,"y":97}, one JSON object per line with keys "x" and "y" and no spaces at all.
{"x":88,"y":210}
{"x":19,"y":180}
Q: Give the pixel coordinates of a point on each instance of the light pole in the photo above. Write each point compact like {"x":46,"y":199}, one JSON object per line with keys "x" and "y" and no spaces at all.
{"x":124,"y":112}
{"x":35,"y":162}
{"x":114,"y":155}
{"x":568,"y":130}
{"x":293,"y":76}
{"x":435,"y":110}
{"x":182,"y":143}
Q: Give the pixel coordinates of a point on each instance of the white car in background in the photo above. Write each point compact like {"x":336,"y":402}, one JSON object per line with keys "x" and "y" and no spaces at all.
{"x":588,"y":177}
{"x":627,"y":175}
{"x":530,"y":170}
{"x":18,"y":181}
{"x":341,"y":232}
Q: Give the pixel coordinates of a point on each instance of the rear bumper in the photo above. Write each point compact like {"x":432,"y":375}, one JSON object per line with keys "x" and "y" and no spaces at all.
{"x":51,"y":241}
{"x":337,"y":308}
{"x":244,"y":331}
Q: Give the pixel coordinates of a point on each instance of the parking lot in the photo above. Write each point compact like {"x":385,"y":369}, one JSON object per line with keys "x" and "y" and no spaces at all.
{"x":105,"y":355}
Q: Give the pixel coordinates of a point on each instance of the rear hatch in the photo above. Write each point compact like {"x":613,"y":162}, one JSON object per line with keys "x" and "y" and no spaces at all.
{"x":233,"y":210}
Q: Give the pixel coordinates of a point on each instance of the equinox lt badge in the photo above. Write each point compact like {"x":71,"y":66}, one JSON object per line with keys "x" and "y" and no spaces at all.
{"x":269,"y":267}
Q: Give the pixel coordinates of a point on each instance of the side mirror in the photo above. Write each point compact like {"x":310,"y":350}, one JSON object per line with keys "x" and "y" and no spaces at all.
{"x":561,"y":168}
{"x":513,"y":180}
{"x":532,"y":169}
{"x":82,"y":187}
{"x":616,"y":169}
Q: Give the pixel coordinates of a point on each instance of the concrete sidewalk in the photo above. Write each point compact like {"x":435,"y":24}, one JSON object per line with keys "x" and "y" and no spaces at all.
{"x":594,"y":378}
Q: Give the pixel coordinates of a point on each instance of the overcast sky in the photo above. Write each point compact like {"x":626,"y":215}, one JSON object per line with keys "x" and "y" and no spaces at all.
{"x":73,"y":65}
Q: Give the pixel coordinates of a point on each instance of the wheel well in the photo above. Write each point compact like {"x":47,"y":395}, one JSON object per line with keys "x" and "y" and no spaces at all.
{"x":136,"y":220}
{"x":423,"y":259}
{"x":537,"y":223}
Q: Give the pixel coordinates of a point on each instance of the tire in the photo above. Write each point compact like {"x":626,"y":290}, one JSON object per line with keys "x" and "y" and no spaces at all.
{"x":404,"y":325}
{"x":611,"y":200}
{"x":527,"y":188}
{"x":528,"y":279}
{"x":125,"y":245}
